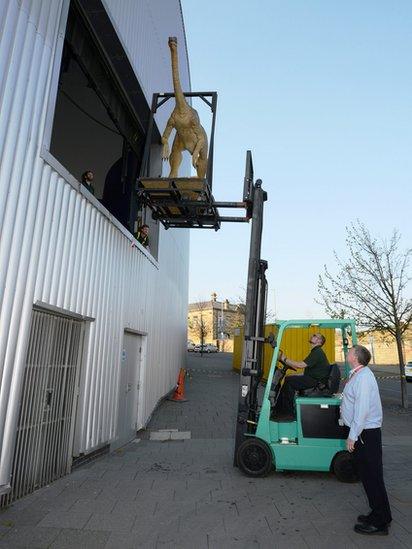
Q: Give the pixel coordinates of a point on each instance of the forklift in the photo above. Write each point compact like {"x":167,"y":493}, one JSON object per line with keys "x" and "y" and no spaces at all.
{"x":315,"y":440}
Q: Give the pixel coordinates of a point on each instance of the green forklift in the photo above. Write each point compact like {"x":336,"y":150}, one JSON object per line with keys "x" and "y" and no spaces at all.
{"x":315,"y":440}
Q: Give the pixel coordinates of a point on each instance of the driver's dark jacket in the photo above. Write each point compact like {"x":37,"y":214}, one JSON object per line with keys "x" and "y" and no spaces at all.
{"x":317,"y":364}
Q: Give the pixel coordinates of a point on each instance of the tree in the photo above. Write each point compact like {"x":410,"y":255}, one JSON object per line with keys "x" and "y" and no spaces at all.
{"x":198,"y":323}
{"x":240,"y":315}
{"x":370,"y":286}
{"x":270,"y":316}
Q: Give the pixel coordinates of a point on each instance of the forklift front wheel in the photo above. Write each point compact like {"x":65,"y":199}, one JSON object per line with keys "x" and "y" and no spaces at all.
{"x":344,"y":467}
{"x":254,"y":457}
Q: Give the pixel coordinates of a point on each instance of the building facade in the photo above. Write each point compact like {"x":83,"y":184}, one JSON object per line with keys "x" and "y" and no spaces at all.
{"x":92,"y":324}
{"x":215,"y":322}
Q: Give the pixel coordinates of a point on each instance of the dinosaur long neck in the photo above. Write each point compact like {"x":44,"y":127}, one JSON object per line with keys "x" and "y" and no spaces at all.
{"x":180,"y":98}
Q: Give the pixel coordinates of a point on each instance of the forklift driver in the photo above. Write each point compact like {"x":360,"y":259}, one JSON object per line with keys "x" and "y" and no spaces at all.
{"x":316,"y":369}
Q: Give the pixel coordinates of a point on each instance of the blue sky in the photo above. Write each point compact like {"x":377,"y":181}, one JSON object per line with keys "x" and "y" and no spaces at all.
{"x":321,"y":92}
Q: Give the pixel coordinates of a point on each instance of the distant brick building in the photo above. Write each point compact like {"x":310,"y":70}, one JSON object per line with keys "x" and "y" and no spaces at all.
{"x":215,"y":321}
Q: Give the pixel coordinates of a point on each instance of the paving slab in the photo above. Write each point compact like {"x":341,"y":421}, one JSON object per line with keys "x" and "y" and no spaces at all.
{"x":75,"y":539}
{"x":28,"y":537}
{"x":111,"y":522}
{"x":66,"y":519}
{"x":131,"y":540}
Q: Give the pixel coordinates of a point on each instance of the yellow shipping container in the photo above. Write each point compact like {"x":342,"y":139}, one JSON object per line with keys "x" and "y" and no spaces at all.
{"x":295,"y":344}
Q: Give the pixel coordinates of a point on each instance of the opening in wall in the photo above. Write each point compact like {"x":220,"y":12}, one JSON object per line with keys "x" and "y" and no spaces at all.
{"x":96,"y":127}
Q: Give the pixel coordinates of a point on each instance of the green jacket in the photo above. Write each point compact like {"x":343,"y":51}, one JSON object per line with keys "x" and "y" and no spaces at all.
{"x":142,"y":238}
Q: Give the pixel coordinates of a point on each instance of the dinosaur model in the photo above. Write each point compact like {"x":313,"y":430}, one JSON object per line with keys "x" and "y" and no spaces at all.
{"x":190,"y":135}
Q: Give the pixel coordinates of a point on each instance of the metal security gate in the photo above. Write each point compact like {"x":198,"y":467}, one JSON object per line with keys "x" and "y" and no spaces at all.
{"x":49,"y":396}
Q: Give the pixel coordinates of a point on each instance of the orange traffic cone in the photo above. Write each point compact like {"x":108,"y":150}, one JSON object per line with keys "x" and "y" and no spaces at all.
{"x":179,"y":394}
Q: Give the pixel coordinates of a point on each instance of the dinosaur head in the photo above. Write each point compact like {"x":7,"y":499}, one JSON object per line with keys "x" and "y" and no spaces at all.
{"x":172,"y":42}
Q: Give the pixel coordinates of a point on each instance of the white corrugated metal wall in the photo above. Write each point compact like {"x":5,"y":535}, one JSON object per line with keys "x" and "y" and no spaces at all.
{"x":57,"y":247}
{"x":143,"y":28}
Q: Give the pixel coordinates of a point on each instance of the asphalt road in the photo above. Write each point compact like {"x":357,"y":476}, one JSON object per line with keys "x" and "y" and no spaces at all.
{"x":209,"y":360}
{"x":390,"y":390}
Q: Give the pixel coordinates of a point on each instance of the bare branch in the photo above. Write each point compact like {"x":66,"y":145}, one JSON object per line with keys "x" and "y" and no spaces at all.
{"x":370,"y":286}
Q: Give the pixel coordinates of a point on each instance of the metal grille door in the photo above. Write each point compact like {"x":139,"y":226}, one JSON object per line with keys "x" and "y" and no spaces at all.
{"x":46,"y":422}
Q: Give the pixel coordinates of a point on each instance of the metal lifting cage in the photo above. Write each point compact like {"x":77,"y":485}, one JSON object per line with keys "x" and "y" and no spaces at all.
{"x":187,"y":202}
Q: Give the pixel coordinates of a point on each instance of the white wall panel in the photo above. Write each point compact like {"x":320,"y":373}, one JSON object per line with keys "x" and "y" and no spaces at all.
{"x":56,"y":247}
{"x":144,"y":27}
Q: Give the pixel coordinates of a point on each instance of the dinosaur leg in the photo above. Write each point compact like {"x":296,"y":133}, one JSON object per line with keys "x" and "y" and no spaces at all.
{"x":175,"y":158}
{"x":201,"y":165}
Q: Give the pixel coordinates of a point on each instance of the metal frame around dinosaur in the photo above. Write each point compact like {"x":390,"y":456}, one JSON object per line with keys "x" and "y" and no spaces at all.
{"x":188,"y":202}
{"x":160,"y":99}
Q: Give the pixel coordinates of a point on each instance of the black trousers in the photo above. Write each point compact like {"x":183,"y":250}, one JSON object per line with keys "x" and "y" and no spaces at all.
{"x":290,"y":386}
{"x":368,"y":457}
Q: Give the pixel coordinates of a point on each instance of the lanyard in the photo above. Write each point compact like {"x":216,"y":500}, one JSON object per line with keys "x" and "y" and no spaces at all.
{"x":354,"y":372}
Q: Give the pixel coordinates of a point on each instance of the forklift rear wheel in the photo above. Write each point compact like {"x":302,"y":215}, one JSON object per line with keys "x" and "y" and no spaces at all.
{"x":254,"y":457}
{"x":344,"y":467}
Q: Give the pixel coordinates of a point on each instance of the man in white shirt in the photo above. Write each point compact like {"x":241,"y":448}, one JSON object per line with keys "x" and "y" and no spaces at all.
{"x":361,"y":411}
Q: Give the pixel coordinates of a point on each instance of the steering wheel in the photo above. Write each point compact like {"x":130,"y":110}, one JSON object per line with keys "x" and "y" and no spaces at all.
{"x":286,"y":368}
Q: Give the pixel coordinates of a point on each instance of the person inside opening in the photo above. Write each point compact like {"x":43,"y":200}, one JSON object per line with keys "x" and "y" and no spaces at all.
{"x":316,"y":369}
{"x":142,"y":235}
{"x":87,"y":180}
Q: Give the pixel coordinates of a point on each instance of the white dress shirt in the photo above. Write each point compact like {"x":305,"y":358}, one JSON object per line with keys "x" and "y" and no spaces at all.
{"x":361,"y":406}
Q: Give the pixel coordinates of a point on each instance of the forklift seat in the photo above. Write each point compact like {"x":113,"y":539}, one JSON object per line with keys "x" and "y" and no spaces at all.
{"x":327,"y":388}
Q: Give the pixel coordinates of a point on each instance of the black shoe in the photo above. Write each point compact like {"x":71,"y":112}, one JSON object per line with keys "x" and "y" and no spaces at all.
{"x":364,"y":519}
{"x":367,"y":519}
{"x":370,"y":530}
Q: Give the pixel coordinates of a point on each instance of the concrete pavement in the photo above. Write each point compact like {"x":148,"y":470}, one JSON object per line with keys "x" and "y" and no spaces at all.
{"x":186,"y":493}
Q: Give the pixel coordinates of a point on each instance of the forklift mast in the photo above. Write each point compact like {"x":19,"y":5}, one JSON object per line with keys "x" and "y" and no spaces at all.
{"x":256,"y":297}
